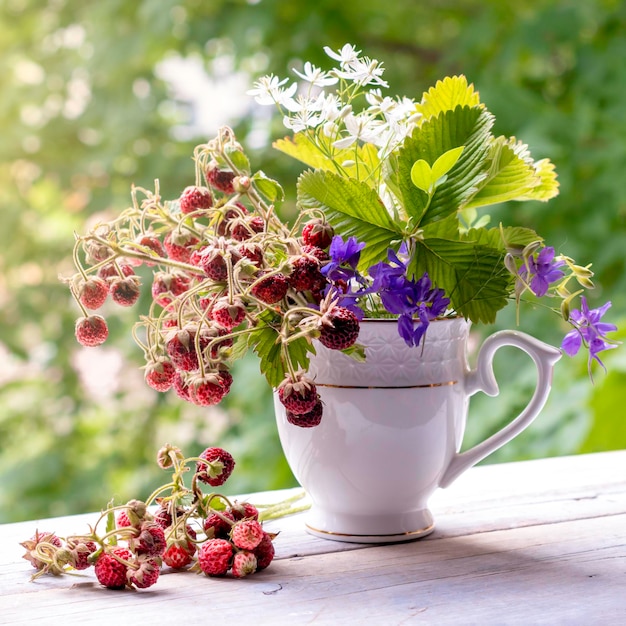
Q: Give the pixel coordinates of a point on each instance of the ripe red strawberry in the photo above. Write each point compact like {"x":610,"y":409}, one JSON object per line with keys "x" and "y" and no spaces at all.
{"x":160,"y":375}
{"x":309,"y":419}
{"x":152,"y":246}
{"x":318,"y":233}
{"x":179,"y":554}
{"x":339,"y":328}
{"x":264,"y":552}
{"x":80,"y":552}
{"x":216,"y":527}
{"x":180,"y":245}
{"x":215,"y":556}
{"x":194,"y":199}
{"x":212,"y":262}
{"x":251,"y":251}
{"x":221,"y":180}
{"x":110,"y":271}
{"x":228,"y":313}
{"x":207,"y":390}
{"x":93,"y":292}
{"x":247,"y":534}
{"x":244,"y":510}
{"x":298,"y":396}
{"x":229,"y":213}
{"x":244,"y":563}
{"x":146,"y":574}
{"x":218,"y":468}
{"x":181,"y":387}
{"x":122,"y":520}
{"x":91,"y":331}
{"x":125,"y":291}
{"x":150,"y":541}
{"x":168,"y":285}
{"x":271,"y":289}
{"x":305,"y":274}
{"x":110,"y":572}
{"x":181,"y":347}
{"x":242,"y":230}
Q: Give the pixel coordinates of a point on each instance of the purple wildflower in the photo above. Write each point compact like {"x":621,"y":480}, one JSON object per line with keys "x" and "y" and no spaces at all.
{"x":542,"y":271}
{"x":343,"y":253}
{"x":588,"y":328}
{"x":415,"y":302}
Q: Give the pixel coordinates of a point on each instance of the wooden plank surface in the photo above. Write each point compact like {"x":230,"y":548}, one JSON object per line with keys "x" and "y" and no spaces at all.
{"x":539,"y":542}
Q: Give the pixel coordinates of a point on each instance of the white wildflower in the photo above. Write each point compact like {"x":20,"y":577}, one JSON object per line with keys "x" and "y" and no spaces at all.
{"x":347,"y":55}
{"x":363,"y":72}
{"x":269,"y":90}
{"x":316,"y":76}
{"x":358,"y":127}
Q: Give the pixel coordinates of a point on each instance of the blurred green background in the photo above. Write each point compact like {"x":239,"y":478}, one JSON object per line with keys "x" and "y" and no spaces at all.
{"x":99,"y":94}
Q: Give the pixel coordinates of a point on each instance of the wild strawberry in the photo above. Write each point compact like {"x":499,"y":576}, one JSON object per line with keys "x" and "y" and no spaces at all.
{"x":91,"y":331}
{"x":146,"y":574}
{"x":181,"y":387}
{"x":226,"y":378}
{"x":168,"y":285}
{"x":110,"y":572}
{"x":109,"y":271}
{"x":215,"y":526}
{"x":339,"y":328}
{"x":264,"y":552}
{"x":228,"y":313}
{"x":321,"y":255}
{"x":229,"y":213}
{"x":215,"y":556}
{"x":96,"y":252}
{"x":80,"y":552}
{"x":93,"y":292}
{"x":194,"y":199}
{"x":246,"y":228}
{"x":207,"y":390}
{"x":218,"y":467}
{"x":212,"y":262}
{"x":181,"y":348}
{"x":271,"y":289}
{"x":298,"y":396}
{"x":244,"y":563}
{"x":251,"y":251}
{"x":151,"y":245}
{"x":305,"y":274}
{"x":220,"y":179}
{"x":179,"y":554}
{"x":179,"y":245}
{"x":122,"y":520}
{"x":160,"y":375}
{"x":125,"y":291}
{"x":309,"y":419}
{"x":318,"y":233}
{"x":244,"y":510}
{"x":31,"y":544}
{"x":247,"y":534}
{"x":150,"y":541}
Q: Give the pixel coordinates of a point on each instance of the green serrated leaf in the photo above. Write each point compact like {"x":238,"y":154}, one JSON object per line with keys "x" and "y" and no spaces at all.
{"x":353,"y":209}
{"x":422,"y":175}
{"x":446,"y":162}
{"x":270,"y":188}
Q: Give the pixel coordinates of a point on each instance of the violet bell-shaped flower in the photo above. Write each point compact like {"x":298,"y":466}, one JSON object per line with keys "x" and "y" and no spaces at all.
{"x":343,"y":253}
{"x":588,"y":328}
{"x":542,"y":271}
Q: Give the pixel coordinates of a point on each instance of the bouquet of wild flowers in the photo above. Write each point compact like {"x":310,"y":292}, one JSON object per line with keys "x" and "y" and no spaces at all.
{"x":388,"y":226}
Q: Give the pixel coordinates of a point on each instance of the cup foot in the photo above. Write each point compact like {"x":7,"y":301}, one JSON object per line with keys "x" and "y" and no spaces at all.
{"x":369,"y":528}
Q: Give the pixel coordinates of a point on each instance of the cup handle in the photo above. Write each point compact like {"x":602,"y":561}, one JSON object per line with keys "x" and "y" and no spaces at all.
{"x":483,"y":379}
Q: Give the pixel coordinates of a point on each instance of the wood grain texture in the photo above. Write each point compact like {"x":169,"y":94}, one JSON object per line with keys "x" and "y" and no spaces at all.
{"x":538,"y":542}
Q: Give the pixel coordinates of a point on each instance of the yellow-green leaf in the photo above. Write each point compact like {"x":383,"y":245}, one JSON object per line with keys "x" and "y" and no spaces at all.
{"x":446,"y":95}
{"x":422,"y":175}
{"x":446,"y":162}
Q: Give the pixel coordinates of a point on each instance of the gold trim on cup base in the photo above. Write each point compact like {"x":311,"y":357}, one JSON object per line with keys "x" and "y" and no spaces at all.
{"x":408,"y":535}
{"x":426,"y":386}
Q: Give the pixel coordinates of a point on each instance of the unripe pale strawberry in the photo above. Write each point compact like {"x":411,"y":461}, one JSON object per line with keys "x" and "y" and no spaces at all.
{"x":244,"y":564}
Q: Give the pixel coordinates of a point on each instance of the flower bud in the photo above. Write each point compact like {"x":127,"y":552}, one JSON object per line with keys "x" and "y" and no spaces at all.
{"x":167,"y":454}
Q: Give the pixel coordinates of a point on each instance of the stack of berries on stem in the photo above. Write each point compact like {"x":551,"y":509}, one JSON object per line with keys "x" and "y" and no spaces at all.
{"x":227,"y":275}
{"x":177,"y":526}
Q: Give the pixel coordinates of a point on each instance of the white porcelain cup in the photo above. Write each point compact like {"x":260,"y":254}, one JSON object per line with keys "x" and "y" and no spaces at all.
{"x":392,"y":427}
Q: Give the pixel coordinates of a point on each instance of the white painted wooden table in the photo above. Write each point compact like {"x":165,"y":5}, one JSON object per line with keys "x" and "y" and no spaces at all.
{"x":537,"y":542}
